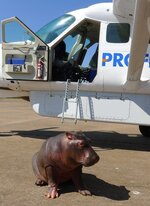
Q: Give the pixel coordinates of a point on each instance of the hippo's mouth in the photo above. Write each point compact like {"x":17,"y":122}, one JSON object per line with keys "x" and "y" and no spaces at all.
{"x":90,"y":163}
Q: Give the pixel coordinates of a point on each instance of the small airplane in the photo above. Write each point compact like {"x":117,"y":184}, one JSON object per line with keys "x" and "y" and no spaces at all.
{"x":88,"y":64}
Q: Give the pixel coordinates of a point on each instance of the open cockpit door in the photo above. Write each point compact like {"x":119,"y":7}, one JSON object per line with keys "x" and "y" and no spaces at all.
{"x":24,"y":54}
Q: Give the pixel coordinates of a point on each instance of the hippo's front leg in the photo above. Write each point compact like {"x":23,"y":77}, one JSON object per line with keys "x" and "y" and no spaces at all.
{"x":77,"y":180}
{"x":52,"y":185}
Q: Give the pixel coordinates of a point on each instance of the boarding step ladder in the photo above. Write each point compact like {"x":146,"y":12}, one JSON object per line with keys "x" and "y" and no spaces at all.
{"x":66,"y":99}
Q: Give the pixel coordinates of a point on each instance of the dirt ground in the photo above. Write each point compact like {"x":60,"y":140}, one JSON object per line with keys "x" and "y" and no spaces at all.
{"x":121,"y":177}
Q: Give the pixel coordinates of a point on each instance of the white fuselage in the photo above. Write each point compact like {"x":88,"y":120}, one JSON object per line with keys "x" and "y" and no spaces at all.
{"x":110,"y":96}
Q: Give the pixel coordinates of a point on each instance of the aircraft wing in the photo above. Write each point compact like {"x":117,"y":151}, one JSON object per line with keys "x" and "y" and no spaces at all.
{"x":140,"y":10}
{"x":124,"y":8}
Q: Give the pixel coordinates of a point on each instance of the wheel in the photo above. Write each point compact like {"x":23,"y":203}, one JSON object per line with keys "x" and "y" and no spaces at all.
{"x":145,"y":130}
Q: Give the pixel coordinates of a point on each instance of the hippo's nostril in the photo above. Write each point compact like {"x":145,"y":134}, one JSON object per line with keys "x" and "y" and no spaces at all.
{"x":95,"y":159}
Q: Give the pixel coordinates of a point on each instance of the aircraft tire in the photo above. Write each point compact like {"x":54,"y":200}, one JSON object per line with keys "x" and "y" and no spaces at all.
{"x":145,"y":130}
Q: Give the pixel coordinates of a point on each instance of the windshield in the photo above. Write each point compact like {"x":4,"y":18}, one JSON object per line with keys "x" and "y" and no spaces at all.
{"x":51,"y":30}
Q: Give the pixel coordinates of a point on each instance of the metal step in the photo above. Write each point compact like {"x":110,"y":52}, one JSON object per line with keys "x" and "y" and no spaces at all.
{"x":66,"y":99}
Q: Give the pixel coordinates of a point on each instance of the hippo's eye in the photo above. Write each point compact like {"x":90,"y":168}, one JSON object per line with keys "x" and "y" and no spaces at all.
{"x":81,"y":145}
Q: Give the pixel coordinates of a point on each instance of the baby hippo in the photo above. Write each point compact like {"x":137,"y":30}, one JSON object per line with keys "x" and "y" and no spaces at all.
{"x":60,"y":159}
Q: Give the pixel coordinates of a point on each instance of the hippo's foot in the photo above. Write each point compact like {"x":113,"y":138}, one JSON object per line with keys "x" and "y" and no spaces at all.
{"x":85,"y":192}
{"x":52,"y":191}
{"x":40,"y":182}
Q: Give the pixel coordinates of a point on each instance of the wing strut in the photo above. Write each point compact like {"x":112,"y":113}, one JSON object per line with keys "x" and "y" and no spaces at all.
{"x":140,"y":39}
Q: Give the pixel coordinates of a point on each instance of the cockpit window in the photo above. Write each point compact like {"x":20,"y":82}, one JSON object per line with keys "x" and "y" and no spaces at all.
{"x":51,"y":30}
{"x":118,"y":33}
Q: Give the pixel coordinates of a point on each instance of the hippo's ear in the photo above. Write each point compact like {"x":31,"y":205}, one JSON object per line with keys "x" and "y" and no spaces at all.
{"x":69,"y":135}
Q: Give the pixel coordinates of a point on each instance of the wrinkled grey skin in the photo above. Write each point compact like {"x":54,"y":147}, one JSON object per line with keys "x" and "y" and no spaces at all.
{"x":60,"y":159}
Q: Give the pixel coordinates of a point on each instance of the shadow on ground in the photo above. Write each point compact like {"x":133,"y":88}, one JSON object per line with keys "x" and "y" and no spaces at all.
{"x":100,"y":139}
{"x":99,"y":188}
